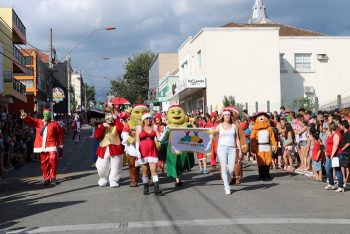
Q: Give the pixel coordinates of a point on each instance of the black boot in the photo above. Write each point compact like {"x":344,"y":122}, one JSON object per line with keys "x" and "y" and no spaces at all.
{"x":260,"y":169}
{"x":157,"y":191}
{"x":145,"y":189}
{"x":267,"y":173}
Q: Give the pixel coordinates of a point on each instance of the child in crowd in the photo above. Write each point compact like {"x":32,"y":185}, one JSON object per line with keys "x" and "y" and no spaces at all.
{"x":317,"y":155}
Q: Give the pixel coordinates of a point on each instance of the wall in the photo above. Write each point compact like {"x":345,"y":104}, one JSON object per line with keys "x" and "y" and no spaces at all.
{"x":6,"y":41}
{"x":329,"y":78}
{"x":242,"y":62}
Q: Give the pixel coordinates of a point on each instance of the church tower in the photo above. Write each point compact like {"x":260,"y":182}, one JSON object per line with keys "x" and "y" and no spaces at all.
{"x":259,"y":15}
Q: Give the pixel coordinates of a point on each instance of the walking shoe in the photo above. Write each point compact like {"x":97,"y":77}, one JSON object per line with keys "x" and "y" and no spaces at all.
{"x":102,"y":182}
{"x":178,"y":184}
{"x":340,"y":190}
{"x":205,"y":171}
{"x":54,"y":182}
{"x":213,"y":168}
{"x":227,"y":191}
{"x":46,"y":182}
{"x":113,"y":184}
{"x":145,"y":189}
{"x":329,"y":187}
{"x":201,"y":170}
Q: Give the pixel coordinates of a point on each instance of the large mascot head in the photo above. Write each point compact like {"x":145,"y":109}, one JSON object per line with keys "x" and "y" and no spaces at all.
{"x":261,"y":121}
{"x":176,"y":116}
{"x":136,"y":115}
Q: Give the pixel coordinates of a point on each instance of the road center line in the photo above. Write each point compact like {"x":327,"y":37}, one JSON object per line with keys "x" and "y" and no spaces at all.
{"x":180,"y":223}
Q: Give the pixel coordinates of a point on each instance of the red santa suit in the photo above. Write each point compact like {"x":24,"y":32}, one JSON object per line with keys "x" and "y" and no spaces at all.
{"x":110,"y":151}
{"x":214,"y":147}
{"x":46,"y":144}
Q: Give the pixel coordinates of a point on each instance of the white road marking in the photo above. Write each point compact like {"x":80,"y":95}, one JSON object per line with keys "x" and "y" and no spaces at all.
{"x":179,"y":223}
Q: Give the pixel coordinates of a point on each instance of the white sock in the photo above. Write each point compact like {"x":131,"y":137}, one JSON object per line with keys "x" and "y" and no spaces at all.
{"x":155,"y":178}
{"x":145,"y":179}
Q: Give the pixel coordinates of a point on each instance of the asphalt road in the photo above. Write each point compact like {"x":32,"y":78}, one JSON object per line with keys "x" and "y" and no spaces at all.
{"x":289,"y":203}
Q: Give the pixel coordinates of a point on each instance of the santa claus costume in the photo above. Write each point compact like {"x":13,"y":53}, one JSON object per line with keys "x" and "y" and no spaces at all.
{"x":47,"y":139}
{"x":110,"y":151}
{"x":147,"y":152}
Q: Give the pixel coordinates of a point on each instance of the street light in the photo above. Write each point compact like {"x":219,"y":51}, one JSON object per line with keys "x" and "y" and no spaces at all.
{"x":51,"y":65}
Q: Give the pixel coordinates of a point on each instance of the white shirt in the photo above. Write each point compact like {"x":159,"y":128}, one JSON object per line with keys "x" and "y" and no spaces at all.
{"x":227,"y":137}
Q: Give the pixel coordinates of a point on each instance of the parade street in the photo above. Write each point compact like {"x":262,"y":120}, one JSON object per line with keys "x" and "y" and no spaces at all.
{"x":289,"y":203}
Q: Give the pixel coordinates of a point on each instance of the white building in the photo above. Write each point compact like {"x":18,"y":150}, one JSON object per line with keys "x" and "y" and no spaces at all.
{"x":162,"y":66}
{"x":77,"y":88}
{"x":262,"y":64}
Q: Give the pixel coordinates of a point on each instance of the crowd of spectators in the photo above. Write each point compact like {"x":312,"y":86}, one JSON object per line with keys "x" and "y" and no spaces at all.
{"x":17,"y":139}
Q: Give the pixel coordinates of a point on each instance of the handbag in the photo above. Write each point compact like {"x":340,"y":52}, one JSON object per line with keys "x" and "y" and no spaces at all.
{"x":335,"y":162}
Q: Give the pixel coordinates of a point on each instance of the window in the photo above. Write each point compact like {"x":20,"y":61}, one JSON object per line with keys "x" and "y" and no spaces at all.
{"x":199,"y":57}
{"x":302,"y":62}
{"x":184,"y":68}
{"x":29,"y":60}
{"x":282,"y":63}
{"x":28,"y":83}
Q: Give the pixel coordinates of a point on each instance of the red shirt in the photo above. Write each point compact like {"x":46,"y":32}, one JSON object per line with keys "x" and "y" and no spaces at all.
{"x":315,"y":150}
{"x":329,"y":144}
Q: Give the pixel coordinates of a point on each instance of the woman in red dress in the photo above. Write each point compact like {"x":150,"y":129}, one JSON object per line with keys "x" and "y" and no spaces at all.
{"x":147,"y":152}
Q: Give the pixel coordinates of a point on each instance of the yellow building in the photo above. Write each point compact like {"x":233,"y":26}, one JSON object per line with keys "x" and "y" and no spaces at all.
{"x":12,"y":33}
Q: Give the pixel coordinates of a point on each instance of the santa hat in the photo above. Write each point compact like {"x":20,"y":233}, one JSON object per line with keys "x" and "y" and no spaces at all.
{"x":174,"y":106}
{"x":233,"y":109}
{"x":145,"y":116}
{"x":213,"y":115}
{"x":139,"y":105}
{"x":226,"y":111}
{"x":47,"y":110}
{"x":157,"y":116}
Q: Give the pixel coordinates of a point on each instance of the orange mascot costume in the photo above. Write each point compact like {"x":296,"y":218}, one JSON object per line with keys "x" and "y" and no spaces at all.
{"x":263,"y":143}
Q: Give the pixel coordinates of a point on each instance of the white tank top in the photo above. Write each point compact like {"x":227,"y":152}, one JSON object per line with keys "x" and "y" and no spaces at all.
{"x":227,"y":137}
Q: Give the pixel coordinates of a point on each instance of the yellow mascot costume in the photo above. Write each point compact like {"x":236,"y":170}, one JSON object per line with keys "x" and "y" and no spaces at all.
{"x":263,"y":143}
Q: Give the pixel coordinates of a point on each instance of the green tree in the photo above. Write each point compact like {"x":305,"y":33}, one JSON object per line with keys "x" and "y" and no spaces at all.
{"x":134,"y":84}
{"x":306,"y":102}
{"x":229,"y":101}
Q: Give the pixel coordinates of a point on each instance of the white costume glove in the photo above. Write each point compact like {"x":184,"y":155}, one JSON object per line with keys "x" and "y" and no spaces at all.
{"x":137,"y":146}
{"x":106,"y":125}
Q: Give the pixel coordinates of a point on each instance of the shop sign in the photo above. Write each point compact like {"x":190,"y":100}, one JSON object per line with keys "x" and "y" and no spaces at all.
{"x":198,"y":82}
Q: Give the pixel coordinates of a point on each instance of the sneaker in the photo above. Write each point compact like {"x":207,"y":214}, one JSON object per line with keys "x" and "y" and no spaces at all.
{"x":55,"y":182}
{"x":205,"y":171}
{"x":102,"y":182}
{"x":113,"y":184}
{"x":329,"y":187}
{"x":201,"y":170}
{"x":340,"y":190}
{"x":227,"y":191}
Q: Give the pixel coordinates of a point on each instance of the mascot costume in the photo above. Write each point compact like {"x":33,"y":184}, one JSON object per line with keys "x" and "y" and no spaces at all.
{"x":176,"y":164}
{"x":110,"y":151}
{"x":129,"y":141}
{"x":263,"y":144}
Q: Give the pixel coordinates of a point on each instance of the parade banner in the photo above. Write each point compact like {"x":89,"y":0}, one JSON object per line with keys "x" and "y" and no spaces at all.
{"x":191,"y":140}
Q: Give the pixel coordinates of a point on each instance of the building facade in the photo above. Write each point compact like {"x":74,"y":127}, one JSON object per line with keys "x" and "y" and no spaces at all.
{"x":77,"y":87}
{"x":262,"y":64}
{"x":12,"y":34}
{"x":163,"y":66}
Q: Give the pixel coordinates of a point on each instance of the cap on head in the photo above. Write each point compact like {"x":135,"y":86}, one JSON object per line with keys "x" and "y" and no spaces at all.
{"x":145,"y":116}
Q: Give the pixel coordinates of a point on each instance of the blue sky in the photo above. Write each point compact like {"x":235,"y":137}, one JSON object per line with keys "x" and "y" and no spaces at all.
{"x":157,"y":25}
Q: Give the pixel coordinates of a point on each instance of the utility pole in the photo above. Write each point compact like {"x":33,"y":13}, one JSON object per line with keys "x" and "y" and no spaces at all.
{"x":85,"y":98}
{"x":50,"y":73}
{"x":68,"y":81}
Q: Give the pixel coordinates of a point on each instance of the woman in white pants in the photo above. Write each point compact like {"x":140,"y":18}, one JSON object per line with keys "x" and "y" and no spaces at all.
{"x":228,"y":146}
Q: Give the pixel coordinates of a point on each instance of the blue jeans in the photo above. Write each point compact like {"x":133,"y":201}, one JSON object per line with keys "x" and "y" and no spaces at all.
{"x":227,"y":158}
{"x":329,"y":170}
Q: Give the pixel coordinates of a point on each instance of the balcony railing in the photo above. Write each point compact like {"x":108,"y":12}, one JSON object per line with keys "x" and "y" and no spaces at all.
{"x":19,"y":56}
{"x":16,"y":21}
{"x":18,"y":86}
